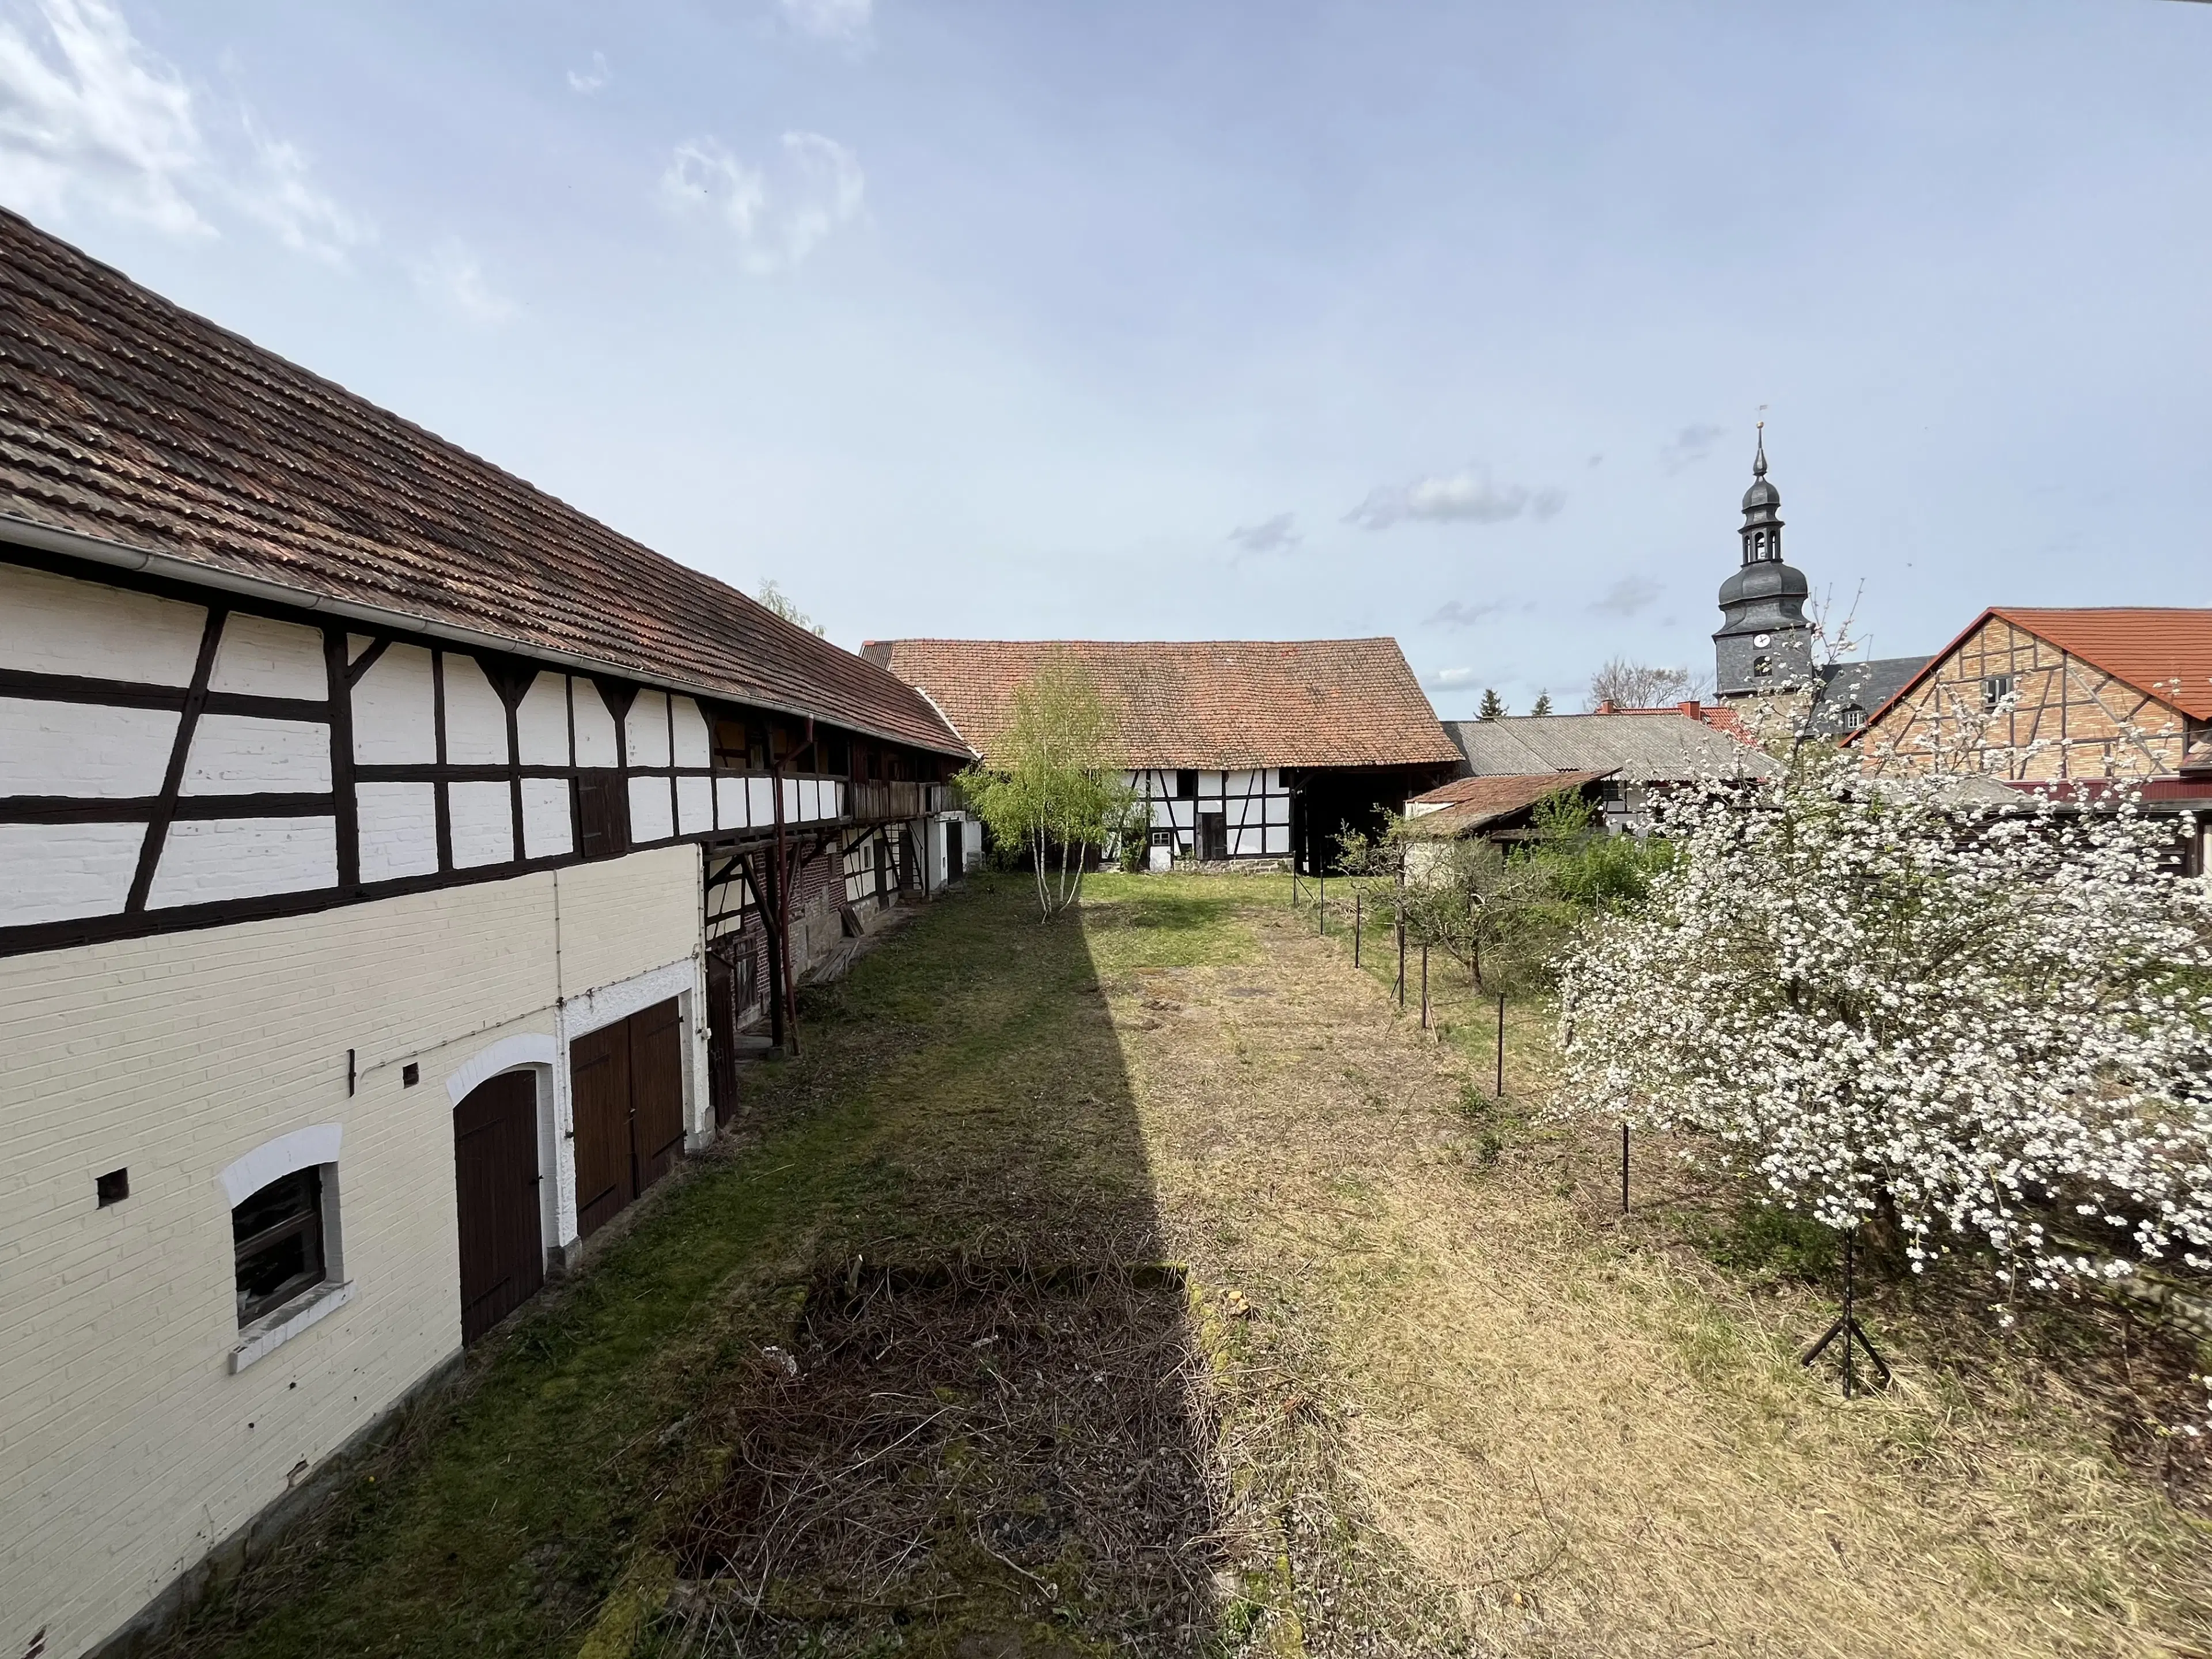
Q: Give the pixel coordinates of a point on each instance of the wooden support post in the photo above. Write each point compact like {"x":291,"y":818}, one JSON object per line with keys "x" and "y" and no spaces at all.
{"x":1501,"y":1045}
{"x":1401,"y":964}
{"x":1355,"y":926}
{"x":1324,"y":879}
{"x":1424,"y":984}
{"x":1624,"y":1169}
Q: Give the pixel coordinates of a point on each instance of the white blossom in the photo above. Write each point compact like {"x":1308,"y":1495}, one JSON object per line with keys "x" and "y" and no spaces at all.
{"x":1977,"y":1012}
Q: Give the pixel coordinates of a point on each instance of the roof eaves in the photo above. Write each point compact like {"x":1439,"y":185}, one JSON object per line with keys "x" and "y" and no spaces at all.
{"x":28,"y":533}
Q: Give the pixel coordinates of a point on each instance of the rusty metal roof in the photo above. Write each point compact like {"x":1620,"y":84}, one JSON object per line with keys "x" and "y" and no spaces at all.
{"x":1227,"y":704}
{"x":129,"y":422}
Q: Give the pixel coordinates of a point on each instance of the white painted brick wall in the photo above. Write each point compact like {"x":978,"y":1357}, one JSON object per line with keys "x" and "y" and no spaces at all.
{"x":548,"y":827}
{"x":265,"y":659}
{"x":127,"y":1449}
{"x":398,"y":824}
{"x":394,"y":710}
{"x":80,"y":749}
{"x":238,"y":754}
{"x":541,"y":721}
{"x":482,"y":823}
{"x":646,"y":729}
{"x":475,"y":719}
{"x":58,"y":625}
{"x":58,"y":871}
{"x":598,"y":743}
{"x":206,"y":859}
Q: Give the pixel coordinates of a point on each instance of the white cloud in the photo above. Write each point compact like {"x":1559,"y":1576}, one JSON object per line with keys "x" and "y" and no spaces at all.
{"x":1275,"y":535}
{"x":591,"y":80}
{"x":1454,"y":614}
{"x":452,"y":277}
{"x":1625,"y":596}
{"x":1467,"y":494}
{"x":86,"y":114}
{"x":846,"y":21}
{"x":778,"y":213}
{"x":1691,"y":444}
{"x":278,"y":191}
{"x":1445,"y":678}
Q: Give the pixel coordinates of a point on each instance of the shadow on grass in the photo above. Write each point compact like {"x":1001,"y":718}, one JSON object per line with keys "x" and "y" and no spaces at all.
{"x":894,"y":1365}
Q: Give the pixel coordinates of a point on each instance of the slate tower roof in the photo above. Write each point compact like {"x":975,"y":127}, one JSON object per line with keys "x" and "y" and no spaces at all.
{"x":1764,"y":643}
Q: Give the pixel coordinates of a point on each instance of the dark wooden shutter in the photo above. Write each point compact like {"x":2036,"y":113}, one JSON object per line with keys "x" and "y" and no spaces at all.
{"x":598,"y":1068}
{"x":656,"y":1072}
{"x":495,"y":1191}
{"x":602,"y":813}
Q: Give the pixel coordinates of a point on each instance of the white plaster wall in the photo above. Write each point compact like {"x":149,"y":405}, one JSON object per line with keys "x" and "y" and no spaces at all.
{"x":58,"y":625}
{"x":265,"y":659}
{"x":394,"y":710}
{"x":650,"y":810}
{"x":58,"y":871}
{"x":482,"y":823}
{"x":205,"y":859}
{"x":398,"y":826}
{"x":598,"y":743}
{"x":548,"y":827}
{"x":692,"y":747}
{"x":646,"y":729}
{"x":125,"y":1448}
{"x":237,"y":754}
{"x":79,"y":748}
{"x":475,"y":719}
{"x":760,"y":799}
{"x":695,"y":805}
{"x":541,"y":721}
{"x":730,"y":803}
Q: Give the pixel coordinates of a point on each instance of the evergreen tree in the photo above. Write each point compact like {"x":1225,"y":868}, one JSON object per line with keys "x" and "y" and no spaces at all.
{"x":1494,"y":707}
{"x":1542,"y":705}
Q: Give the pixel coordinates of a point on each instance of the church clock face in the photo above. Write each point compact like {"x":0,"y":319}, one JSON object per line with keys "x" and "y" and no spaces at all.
{"x":1760,"y":641}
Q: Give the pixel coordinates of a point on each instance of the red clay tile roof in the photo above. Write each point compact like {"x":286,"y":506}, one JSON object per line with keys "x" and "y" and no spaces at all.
{"x":2163,"y":653}
{"x":128,"y":419}
{"x":1207,"y":703}
{"x":1469,"y":803}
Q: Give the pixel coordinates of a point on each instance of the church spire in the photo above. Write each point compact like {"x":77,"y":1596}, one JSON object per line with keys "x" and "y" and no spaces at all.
{"x":1758,"y":461}
{"x":1764,"y":643}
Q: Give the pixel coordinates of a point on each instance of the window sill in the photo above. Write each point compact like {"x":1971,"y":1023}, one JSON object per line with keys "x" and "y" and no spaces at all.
{"x":272,"y":1331}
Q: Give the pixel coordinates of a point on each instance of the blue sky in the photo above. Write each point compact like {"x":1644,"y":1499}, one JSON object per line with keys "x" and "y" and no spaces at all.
{"x":1149,"y":320}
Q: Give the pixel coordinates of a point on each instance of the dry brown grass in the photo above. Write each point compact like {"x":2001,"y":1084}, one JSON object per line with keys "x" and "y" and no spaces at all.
{"x":1480,"y":1415}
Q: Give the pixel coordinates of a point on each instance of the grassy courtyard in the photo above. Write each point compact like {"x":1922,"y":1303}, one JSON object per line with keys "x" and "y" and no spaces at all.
{"x":1147,"y":1282}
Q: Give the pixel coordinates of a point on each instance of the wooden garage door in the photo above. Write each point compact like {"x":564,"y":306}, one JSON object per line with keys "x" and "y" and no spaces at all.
{"x":496,"y":1189}
{"x":627,"y":1081}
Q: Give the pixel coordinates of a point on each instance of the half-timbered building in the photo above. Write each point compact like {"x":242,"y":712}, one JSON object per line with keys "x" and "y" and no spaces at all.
{"x":2038,"y":695}
{"x":389,"y":857}
{"x":1245,"y":749}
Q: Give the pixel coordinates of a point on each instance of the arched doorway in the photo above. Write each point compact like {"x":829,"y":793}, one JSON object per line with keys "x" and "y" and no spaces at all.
{"x":495,"y":1177}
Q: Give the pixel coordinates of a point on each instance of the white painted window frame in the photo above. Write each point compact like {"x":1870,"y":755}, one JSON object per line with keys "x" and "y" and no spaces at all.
{"x":313,"y":1147}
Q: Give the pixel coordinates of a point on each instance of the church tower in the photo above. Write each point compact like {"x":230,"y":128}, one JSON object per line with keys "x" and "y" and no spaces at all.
{"x":1764,"y":643}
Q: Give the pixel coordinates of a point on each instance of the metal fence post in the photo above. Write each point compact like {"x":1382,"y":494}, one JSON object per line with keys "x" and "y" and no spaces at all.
{"x":1424,"y":984}
{"x":1356,"y":928}
{"x":1501,"y":1045}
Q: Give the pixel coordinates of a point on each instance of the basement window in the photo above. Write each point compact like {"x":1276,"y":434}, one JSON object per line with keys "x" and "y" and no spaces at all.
{"x":277,"y":1235}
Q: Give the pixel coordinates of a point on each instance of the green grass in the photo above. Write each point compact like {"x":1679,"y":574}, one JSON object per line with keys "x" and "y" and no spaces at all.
{"x":961,"y":1082}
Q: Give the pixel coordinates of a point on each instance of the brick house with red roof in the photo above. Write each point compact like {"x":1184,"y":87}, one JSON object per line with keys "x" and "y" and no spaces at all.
{"x":1246,"y":749}
{"x":2038,"y":695}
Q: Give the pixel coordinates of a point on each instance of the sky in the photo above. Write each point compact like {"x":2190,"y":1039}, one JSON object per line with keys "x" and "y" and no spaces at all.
{"x":1143,"y":320}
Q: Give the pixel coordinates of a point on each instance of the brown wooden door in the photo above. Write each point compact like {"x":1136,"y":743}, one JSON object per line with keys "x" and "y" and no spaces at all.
{"x":656,"y":1077}
{"x":599,"y":1070}
{"x":496,"y":1190}
{"x":721,"y":1032}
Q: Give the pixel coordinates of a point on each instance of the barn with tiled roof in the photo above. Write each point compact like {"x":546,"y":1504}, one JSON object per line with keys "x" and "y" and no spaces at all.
{"x":1248,"y":748}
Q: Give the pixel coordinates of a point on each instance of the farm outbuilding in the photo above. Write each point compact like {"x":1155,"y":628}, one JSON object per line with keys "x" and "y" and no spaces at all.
{"x":1246,"y":749}
{"x":391,"y":855}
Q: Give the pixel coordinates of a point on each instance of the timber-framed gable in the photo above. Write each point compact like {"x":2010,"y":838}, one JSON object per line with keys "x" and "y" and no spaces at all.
{"x":2045,"y":697}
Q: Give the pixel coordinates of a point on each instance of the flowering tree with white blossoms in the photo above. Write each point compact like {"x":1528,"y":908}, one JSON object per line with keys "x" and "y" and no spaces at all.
{"x":1971,"y":1013}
